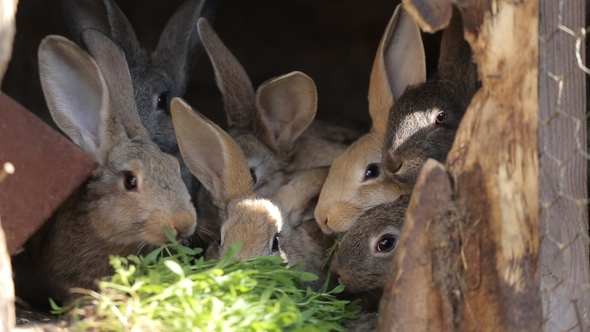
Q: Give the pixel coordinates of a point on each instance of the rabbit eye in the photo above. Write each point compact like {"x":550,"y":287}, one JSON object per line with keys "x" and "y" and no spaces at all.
{"x":163,"y":102}
{"x":371,"y":172}
{"x":386,"y":243}
{"x":254,"y":178}
{"x":130,"y":181}
{"x":275,"y":243}
{"x":441,"y":118}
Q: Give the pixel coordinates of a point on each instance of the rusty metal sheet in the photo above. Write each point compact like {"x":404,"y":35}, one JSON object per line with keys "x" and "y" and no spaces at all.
{"x":48,"y":168}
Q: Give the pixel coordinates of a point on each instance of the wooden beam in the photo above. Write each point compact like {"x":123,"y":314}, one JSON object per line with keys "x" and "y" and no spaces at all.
{"x":7,"y":31}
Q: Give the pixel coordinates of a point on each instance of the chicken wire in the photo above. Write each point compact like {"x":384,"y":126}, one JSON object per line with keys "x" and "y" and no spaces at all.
{"x":563,"y":157}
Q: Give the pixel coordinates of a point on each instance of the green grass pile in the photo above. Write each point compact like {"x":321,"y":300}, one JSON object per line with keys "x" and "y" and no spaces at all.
{"x":169,"y":290}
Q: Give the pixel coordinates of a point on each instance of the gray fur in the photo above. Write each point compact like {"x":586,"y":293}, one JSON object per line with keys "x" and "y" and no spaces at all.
{"x":412,"y":135}
{"x":164,"y":71}
{"x":357,"y":264}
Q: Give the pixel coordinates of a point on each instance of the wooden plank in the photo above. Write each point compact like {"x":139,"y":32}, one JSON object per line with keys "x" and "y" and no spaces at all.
{"x":7,"y":315}
{"x":48,"y":169}
{"x":7,"y":32}
{"x":564,"y":245}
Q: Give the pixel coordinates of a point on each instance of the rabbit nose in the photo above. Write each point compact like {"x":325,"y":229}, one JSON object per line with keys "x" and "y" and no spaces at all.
{"x":392,"y":164}
{"x":184,"y":224}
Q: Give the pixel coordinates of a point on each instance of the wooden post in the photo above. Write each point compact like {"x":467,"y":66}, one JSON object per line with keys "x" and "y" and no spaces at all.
{"x":7,"y":31}
{"x":485,"y":250}
{"x":565,"y":273}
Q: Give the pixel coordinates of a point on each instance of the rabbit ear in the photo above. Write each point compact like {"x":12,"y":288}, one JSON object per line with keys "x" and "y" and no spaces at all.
{"x":233,"y":82}
{"x":288,"y":105}
{"x":104,"y":16}
{"x":83,"y":14}
{"x":77,"y":96}
{"x":111,"y":61}
{"x":455,"y":62}
{"x":180,"y":44}
{"x":211,"y":154}
{"x":399,"y":63}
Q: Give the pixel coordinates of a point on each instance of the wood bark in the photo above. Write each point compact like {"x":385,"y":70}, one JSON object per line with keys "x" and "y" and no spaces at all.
{"x":562,"y":136}
{"x":488,"y":278}
{"x":7,"y":31}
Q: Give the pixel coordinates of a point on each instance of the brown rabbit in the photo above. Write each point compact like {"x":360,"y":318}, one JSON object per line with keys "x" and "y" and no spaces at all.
{"x":356,"y":182}
{"x":423,"y":122}
{"x":260,"y":224}
{"x":273,"y":126}
{"x":135,"y":192}
{"x":366,"y":252}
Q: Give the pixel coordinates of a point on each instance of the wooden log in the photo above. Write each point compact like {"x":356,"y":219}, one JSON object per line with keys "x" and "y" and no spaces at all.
{"x":7,"y":31}
{"x":565,"y":270}
{"x":7,"y":316}
{"x":494,"y":169}
{"x":418,"y":296}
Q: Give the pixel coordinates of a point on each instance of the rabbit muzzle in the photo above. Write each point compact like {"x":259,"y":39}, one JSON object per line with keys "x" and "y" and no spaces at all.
{"x":182,"y":224}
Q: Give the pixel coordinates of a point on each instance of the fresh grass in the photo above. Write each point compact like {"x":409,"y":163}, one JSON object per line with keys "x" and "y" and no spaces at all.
{"x":170,"y":290}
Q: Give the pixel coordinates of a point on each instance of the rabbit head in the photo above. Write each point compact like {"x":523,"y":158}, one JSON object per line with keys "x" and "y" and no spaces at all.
{"x":425,"y":117}
{"x":137,"y":189}
{"x":219,"y":164}
{"x":135,"y":192}
{"x":268,"y":124}
{"x":356,"y":182}
{"x":265,"y":227}
{"x":366,"y":252}
{"x":157,"y":77}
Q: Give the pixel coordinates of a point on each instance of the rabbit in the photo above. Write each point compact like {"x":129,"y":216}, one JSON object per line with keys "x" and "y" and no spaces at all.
{"x":424,"y":119}
{"x":158,"y":76}
{"x":260,"y":224}
{"x":274,"y":126}
{"x":356,"y":182}
{"x":366,"y":251}
{"x":134,"y":193}
{"x":364,"y":322}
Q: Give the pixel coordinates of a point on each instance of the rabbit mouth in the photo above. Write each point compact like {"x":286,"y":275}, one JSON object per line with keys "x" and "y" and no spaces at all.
{"x":181,"y":225}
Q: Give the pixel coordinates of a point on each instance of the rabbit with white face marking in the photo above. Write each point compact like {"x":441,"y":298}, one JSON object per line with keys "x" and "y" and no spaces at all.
{"x":273,"y":126}
{"x":261,"y":225}
{"x":158,"y":76}
{"x":135,"y":192}
{"x":356,"y":182}
{"x":366,"y":252}
{"x":424,"y":119}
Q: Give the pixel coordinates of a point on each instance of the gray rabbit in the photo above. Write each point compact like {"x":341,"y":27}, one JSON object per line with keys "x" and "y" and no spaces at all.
{"x":365,"y":252}
{"x":425,"y":115}
{"x":135,"y":192}
{"x":158,"y":76}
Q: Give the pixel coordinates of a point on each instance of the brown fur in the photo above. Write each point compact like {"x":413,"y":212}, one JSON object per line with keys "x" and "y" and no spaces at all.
{"x":273,"y":124}
{"x":347,"y":193}
{"x":92,"y":102}
{"x":256,"y":222}
{"x":163,"y":72}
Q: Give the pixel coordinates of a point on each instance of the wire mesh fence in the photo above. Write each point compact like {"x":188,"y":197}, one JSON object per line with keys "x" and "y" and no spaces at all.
{"x":563,"y":159}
